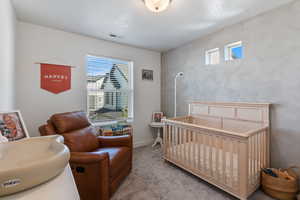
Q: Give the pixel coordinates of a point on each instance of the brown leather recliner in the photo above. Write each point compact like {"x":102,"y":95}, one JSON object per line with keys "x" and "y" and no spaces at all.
{"x":99,"y":164}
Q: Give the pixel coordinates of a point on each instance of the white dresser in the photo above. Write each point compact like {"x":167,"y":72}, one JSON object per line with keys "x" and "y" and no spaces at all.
{"x":60,"y":188}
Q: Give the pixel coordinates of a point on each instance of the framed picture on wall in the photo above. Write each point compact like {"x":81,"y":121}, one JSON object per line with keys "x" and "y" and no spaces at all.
{"x":147,"y":75}
{"x":12,"y":127}
{"x":157,"y":116}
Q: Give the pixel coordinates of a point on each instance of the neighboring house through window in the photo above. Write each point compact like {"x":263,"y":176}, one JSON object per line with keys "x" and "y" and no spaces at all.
{"x":110,"y":89}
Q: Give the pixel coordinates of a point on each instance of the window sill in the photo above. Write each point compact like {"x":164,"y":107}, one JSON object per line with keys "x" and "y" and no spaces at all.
{"x":97,"y":124}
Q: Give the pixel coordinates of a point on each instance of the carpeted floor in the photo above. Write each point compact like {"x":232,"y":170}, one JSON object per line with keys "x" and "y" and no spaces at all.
{"x":154,"y":179}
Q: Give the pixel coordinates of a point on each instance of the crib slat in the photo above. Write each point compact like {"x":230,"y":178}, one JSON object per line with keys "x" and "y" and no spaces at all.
{"x":180,"y":145}
{"x":173,"y":142}
{"x":217,"y":142}
{"x":262,"y":150}
{"x":184,"y":146}
{"x":224,"y":160}
{"x":210,"y":144}
{"x":235,"y":164}
{"x":213,"y":154}
{"x":176,"y":143}
{"x":170,"y":141}
{"x":268,"y":147}
{"x":189,"y":146}
{"x":199,"y":150}
{"x":165,"y":138}
{"x":194,"y":150}
{"x":204,"y":153}
{"x":252,"y":160}
{"x":191,"y":149}
{"x":265,"y":149}
{"x":257,"y":158}
{"x":231,"y":162}
{"x":243,"y":168}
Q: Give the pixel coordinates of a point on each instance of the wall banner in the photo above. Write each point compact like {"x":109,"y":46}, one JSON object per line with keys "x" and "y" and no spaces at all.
{"x":55,"y":78}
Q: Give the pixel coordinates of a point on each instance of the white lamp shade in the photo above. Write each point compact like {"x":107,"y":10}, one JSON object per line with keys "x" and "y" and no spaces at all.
{"x":157,"y":5}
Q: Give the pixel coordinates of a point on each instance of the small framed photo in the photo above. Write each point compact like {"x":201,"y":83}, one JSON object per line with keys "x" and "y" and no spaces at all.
{"x":147,"y":75}
{"x":157,"y":116}
{"x":12,"y":127}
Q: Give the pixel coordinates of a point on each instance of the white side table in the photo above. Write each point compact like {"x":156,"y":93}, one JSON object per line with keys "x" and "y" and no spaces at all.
{"x":158,"y":126}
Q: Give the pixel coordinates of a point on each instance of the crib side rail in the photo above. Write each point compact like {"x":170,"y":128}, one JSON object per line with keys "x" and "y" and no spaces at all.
{"x":213,"y":156}
{"x":185,"y":122}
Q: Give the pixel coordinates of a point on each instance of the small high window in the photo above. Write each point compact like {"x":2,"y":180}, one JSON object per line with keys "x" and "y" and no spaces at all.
{"x":212,"y":57}
{"x":234,"y":51}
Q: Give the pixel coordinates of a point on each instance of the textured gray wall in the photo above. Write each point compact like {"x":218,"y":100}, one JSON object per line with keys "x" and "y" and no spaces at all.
{"x":270,"y":72}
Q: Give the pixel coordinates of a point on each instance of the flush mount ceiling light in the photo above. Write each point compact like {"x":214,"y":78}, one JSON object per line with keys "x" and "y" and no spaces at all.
{"x":157,"y":5}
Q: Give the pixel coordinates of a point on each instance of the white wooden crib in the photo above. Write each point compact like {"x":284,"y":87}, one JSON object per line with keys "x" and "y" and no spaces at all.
{"x":226,"y":144}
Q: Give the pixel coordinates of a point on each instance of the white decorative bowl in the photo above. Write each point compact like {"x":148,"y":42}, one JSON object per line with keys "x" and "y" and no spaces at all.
{"x":30,"y":162}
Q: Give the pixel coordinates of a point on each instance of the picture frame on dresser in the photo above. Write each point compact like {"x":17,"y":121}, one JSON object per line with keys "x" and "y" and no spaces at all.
{"x":12,"y":126}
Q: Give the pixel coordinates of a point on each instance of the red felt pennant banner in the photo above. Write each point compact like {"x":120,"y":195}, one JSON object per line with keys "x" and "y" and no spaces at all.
{"x":55,"y":78}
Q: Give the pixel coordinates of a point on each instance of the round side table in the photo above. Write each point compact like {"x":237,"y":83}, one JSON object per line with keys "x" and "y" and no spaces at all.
{"x":158,"y":126}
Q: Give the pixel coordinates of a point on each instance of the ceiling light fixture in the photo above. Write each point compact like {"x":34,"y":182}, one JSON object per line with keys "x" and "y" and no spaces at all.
{"x":157,"y":5}
{"x":113,"y":35}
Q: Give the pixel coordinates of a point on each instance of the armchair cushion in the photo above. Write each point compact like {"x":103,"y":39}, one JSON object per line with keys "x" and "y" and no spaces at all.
{"x":83,"y":140}
{"x":115,"y":141}
{"x":119,"y":157}
{"x":66,"y":122}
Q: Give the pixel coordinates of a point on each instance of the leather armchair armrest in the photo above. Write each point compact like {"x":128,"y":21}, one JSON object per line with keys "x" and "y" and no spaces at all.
{"x":47,"y":129}
{"x":42,"y":130}
{"x":91,"y":174}
{"x":115,"y":141}
{"x":89,"y":157}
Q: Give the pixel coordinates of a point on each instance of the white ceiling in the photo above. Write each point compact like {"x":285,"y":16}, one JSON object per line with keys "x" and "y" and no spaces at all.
{"x":184,"y":21}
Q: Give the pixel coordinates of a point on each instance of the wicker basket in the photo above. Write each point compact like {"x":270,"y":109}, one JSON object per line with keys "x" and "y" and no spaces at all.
{"x":280,"y":188}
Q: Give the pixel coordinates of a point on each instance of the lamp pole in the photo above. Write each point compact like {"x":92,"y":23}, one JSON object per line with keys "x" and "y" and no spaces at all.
{"x":180,"y":74}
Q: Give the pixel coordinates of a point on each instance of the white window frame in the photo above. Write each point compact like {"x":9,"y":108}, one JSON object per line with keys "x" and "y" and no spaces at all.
{"x":208,"y":53}
{"x":130,"y":96}
{"x":228,"y":50}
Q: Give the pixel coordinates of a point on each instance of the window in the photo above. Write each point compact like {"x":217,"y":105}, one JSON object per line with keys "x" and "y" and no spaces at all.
{"x":234,"y":51}
{"x":212,"y":57}
{"x":109,"y":89}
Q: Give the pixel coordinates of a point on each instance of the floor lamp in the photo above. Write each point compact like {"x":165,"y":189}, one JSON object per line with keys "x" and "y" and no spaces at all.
{"x":180,"y":74}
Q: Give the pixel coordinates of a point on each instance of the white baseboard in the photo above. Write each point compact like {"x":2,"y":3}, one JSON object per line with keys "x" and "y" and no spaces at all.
{"x":142,"y":143}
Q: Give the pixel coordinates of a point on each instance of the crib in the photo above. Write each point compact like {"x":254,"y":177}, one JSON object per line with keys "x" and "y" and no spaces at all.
{"x":225,"y":144}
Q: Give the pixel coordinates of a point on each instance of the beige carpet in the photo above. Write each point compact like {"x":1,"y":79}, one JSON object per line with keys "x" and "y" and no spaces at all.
{"x":154,"y":179}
